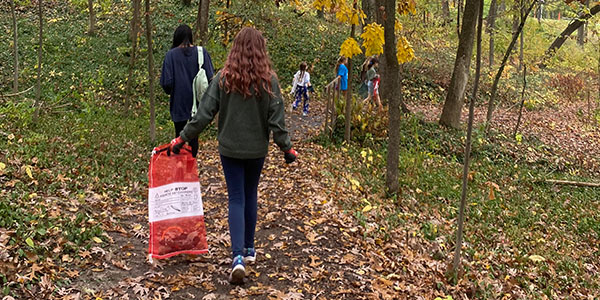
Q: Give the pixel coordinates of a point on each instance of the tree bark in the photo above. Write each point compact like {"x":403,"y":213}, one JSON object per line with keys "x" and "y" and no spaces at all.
{"x":368,"y":7}
{"x":522,"y":37}
{"x":522,"y":101}
{"x":491,"y":28}
{"x":458,"y":14}
{"x":38,"y":87}
{"x":581,"y":31}
{"x":15,"y":47}
{"x":92,"y":28}
{"x":202,"y":22}
{"x":151,"y":75}
{"x":454,"y":100}
{"x":392,"y":91}
{"x":463,"y":198}
{"x":516,"y":34}
{"x":446,"y":11}
{"x":348,"y":114}
{"x":574,"y":25}
{"x":135,"y":21}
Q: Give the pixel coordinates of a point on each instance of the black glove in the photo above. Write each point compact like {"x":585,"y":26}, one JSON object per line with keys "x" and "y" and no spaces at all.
{"x":177,"y":144}
{"x":290,"y":156}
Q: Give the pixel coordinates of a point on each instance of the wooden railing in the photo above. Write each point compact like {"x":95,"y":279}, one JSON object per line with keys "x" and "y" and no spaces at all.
{"x":332,"y":94}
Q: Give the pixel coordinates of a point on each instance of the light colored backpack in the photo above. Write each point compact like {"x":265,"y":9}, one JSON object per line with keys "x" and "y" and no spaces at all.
{"x":200,"y":83}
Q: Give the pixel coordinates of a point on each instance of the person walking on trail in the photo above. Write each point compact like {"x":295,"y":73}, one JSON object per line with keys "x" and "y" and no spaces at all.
{"x":373,"y":84}
{"x":179,"y":69}
{"x":342,"y":73}
{"x":250,"y":107}
{"x":300,"y":87}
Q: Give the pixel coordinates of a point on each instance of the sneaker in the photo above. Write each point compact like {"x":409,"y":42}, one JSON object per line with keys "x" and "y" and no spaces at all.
{"x":249,"y":255}
{"x":238,"y":270}
{"x":304,"y":114}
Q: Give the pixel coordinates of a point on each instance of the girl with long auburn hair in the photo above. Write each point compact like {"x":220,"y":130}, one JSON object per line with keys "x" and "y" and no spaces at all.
{"x":247,"y":96}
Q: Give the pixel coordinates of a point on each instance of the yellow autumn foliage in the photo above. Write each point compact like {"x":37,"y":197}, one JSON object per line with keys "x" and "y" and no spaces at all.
{"x":323,"y":4}
{"x":405,"y":52}
{"x":350,"y":48}
{"x":373,"y":39}
{"x":407,"y":6}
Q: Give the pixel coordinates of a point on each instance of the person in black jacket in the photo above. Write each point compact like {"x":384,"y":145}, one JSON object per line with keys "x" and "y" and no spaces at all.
{"x":179,"y":69}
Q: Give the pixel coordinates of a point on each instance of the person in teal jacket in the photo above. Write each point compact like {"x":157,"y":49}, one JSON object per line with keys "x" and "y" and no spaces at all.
{"x":247,"y":96}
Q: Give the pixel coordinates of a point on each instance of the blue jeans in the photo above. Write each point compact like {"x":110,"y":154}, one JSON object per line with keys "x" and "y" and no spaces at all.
{"x":301,"y":92}
{"x":242,"y":176}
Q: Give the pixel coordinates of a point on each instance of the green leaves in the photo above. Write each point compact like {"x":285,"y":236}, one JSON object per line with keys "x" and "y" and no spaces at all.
{"x":29,"y":242}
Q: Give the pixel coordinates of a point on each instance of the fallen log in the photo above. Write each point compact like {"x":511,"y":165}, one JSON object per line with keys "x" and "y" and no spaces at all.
{"x":575,"y":183}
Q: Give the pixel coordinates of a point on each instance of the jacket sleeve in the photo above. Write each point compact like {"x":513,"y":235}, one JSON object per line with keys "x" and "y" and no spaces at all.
{"x":294,"y":83}
{"x":208,"y":65}
{"x":166,"y":77}
{"x":209,"y":106}
{"x":276,"y":119}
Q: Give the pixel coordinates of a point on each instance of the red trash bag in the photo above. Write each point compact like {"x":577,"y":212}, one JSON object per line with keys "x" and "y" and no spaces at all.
{"x":175,"y":208}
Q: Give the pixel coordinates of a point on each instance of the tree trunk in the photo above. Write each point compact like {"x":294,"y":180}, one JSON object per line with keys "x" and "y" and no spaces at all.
{"x":348,"y":114}
{"x":574,"y":25}
{"x":15,"y":47}
{"x":92,"y":28}
{"x":454,"y":100}
{"x":458,"y":14}
{"x":392,"y":91}
{"x":135,"y":21}
{"x":151,"y":75}
{"x":522,"y":101}
{"x":368,"y":7}
{"x":491,"y":28}
{"x":38,"y":86}
{"x":320,"y":14}
{"x":202,"y":22}
{"x":516,"y":34}
{"x":522,"y":38}
{"x":463,"y":198}
{"x":446,"y":11}
{"x":581,"y":31}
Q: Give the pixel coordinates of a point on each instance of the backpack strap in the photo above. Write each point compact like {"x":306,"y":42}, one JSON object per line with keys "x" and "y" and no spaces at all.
{"x":200,"y":63}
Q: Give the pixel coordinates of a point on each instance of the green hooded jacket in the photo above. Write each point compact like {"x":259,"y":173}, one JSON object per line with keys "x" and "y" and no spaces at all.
{"x":244,"y":124}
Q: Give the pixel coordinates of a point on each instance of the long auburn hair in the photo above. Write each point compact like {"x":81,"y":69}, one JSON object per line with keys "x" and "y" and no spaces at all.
{"x":248,"y":66}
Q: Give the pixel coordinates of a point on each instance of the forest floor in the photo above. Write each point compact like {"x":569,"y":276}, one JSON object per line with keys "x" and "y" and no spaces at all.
{"x":308,"y":248}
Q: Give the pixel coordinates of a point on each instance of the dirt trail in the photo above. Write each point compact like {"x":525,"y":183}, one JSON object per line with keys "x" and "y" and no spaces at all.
{"x":306,"y":246}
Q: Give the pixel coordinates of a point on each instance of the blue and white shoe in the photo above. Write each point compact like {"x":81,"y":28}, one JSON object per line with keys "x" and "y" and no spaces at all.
{"x":238,"y":270}
{"x":249,"y":255}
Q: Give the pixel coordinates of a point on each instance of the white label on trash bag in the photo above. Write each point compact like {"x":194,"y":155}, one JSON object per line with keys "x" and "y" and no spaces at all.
{"x":175,"y":200}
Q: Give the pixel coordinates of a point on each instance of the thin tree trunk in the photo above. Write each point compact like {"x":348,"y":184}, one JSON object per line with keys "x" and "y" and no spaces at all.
{"x":445,"y":11}
{"x":348,"y":114}
{"x":491,"y":28}
{"x":581,"y":31}
{"x":522,"y":101}
{"x":135,"y":21}
{"x":454,"y":100}
{"x":202,"y":22}
{"x":15,"y":46}
{"x":38,"y":87}
{"x":458,"y":14}
{"x":522,"y":39}
{"x":92,"y":28}
{"x":574,"y":25}
{"x":467,"y":159}
{"x":392,"y":90}
{"x":151,"y":75}
{"x":516,"y":34}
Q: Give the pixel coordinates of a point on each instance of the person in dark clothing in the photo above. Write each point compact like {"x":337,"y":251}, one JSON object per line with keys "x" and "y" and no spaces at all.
{"x":250,"y":108}
{"x":179,"y":69}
